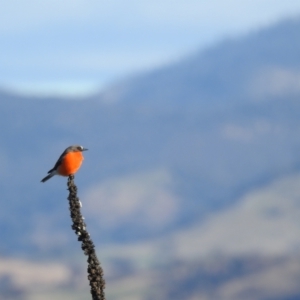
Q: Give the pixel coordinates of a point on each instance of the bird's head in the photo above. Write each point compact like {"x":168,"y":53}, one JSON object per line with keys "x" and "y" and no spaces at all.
{"x":76,"y":148}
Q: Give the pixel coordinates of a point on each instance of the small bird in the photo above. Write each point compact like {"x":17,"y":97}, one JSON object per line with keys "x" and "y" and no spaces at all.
{"x":68,"y":163}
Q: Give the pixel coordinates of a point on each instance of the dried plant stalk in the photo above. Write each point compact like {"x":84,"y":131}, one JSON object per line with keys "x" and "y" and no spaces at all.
{"x":95,"y":271}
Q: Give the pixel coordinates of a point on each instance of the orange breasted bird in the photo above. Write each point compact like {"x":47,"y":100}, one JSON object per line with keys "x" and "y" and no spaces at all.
{"x":68,"y":163}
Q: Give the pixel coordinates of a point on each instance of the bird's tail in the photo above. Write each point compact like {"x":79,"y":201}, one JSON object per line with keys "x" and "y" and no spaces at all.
{"x":48,"y":177}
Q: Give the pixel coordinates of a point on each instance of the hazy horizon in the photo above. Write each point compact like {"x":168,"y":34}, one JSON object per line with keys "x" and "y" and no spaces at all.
{"x":72,"y":48}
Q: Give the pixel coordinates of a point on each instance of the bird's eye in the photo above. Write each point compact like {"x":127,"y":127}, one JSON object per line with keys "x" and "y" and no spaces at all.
{"x":80,"y":148}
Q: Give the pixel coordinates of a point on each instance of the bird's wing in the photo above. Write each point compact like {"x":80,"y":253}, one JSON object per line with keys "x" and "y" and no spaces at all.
{"x":59,"y":161}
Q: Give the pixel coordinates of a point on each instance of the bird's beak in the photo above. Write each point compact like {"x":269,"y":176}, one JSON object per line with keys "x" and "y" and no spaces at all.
{"x":85,"y":149}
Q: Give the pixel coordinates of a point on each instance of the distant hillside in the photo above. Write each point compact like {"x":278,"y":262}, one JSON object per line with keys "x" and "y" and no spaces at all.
{"x":247,"y":251}
{"x":166,"y":148}
{"x":235,"y":71}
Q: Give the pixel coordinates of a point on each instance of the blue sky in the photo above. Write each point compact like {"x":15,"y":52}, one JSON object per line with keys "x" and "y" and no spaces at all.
{"x":81,"y":46}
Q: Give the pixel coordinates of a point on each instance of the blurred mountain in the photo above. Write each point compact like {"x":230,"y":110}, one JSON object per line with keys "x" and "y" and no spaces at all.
{"x":256,"y":67}
{"x":249,"y":251}
{"x":167,"y":148}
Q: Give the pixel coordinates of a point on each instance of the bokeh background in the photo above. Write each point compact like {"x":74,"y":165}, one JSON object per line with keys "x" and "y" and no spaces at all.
{"x":191,"y":113}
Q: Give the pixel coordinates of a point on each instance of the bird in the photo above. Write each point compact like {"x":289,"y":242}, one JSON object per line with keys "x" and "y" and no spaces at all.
{"x":68,"y":163}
